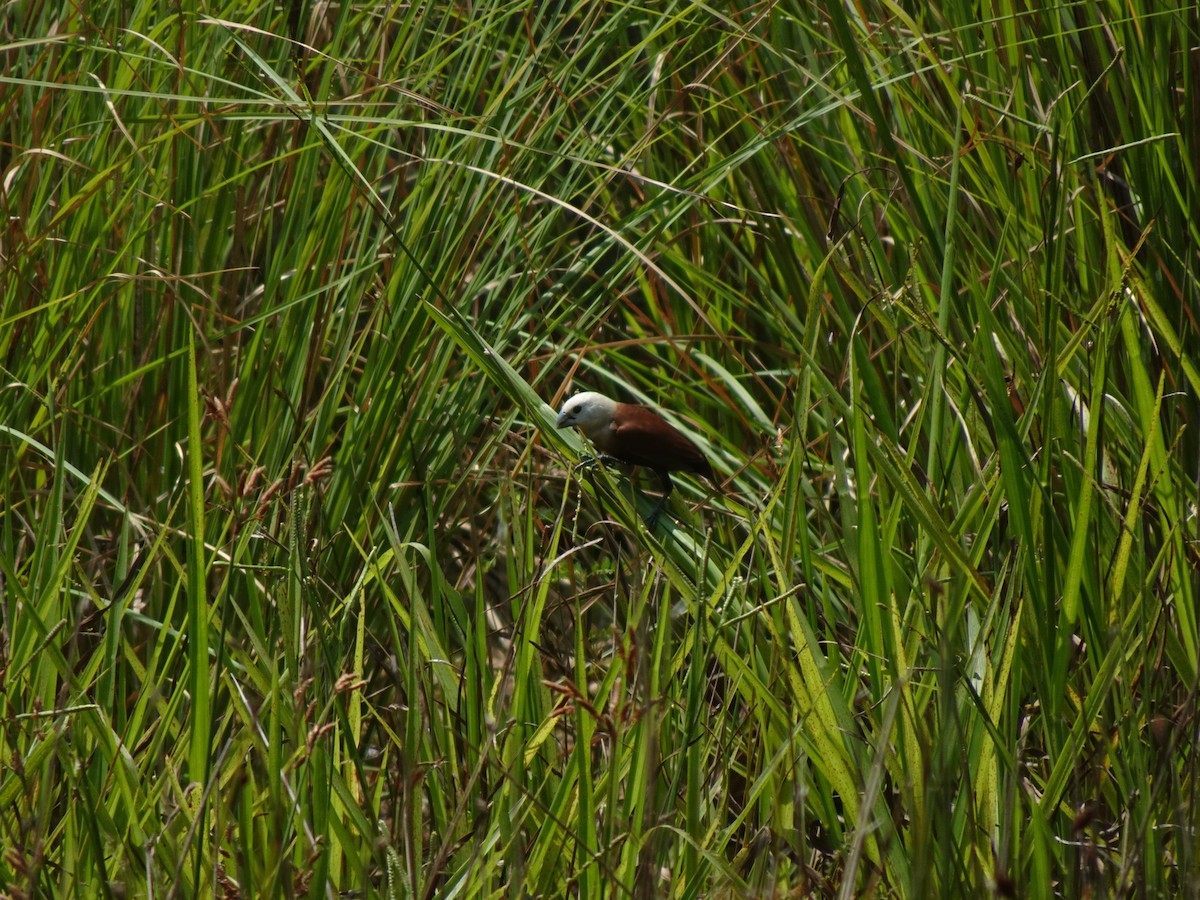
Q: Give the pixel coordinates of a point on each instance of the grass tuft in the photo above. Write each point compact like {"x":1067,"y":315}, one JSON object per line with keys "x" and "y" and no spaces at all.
{"x":302,"y":593}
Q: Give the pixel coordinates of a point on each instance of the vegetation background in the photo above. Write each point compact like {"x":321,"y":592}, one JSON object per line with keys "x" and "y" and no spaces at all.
{"x":302,"y":596}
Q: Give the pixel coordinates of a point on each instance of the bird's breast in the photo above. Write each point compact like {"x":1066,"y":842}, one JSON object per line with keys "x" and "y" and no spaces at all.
{"x":605,"y":439}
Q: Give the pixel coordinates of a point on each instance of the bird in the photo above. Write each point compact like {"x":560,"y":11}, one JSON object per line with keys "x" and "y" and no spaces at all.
{"x":637,"y":436}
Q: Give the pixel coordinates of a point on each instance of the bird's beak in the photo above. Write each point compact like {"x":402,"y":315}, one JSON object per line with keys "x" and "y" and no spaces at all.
{"x":563,"y":420}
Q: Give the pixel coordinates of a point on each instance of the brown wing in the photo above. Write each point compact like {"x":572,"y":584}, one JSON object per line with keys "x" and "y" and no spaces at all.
{"x":644,"y":438}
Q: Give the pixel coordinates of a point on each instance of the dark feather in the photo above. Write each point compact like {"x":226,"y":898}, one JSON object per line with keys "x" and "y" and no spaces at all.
{"x":641,"y":437}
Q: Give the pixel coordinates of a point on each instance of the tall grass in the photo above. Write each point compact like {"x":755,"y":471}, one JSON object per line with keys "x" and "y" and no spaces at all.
{"x":301,"y":593}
